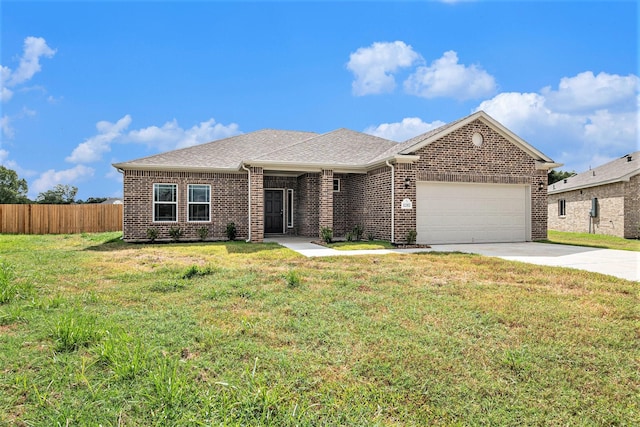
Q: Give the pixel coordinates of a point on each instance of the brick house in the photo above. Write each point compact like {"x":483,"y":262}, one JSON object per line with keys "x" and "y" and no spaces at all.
{"x":471,"y":180}
{"x":603,"y":200}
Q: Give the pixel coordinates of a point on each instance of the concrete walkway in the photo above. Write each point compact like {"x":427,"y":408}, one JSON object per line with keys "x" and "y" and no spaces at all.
{"x":623,"y":264}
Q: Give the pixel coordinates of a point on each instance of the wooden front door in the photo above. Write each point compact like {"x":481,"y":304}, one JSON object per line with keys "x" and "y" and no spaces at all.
{"x":273,"y":211}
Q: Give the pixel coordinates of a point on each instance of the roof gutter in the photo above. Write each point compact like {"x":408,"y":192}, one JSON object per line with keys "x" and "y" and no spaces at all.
{"x":393,"y":198}
{"x":248,"y":198}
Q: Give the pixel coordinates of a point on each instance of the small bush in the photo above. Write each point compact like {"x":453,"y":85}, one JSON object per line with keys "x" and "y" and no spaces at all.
{"x":411,"y":237}
{"x":293,"y":279}
{"x":358,"y":232}
{"x":371,"y":237}
{"x":326,"y":234}
{"x":231,"y":231}
{"x":350,"y":237}
{"x":152,"y":234}
{"x":175,"y":233}
{"x":203,"y":232}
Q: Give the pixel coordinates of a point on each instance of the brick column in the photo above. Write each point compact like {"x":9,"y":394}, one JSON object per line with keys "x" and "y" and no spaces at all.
{"x":257,"y":205}
{"x":539,"y":208}
{"x":326,"y":200}
{"x":405,"y":188}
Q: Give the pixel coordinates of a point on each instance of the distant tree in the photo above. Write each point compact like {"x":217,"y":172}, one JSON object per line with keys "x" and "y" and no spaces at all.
{"x":59,"y":195}
{"x":12,"y":189}
{"x":93,"y":200}
{"x":555,"y":176}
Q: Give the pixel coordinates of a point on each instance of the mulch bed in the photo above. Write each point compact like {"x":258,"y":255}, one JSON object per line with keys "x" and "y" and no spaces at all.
{"x":396,"y":245}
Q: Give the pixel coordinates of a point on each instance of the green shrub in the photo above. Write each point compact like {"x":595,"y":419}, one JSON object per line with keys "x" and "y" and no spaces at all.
{"x":411,"y":237}
{"x":326,"y":234}
{"x":175,"y":233}
{"x":371,"y":237}
{"x":231,"y":231}
{"x":358,"y":232}
{"x":350,"y":237}
{"x":152,"y":234}
{"x":203,"y":232}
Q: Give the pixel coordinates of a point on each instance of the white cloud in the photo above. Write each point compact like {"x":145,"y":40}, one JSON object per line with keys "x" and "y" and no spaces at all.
{"x":34,"y":49}
{"x":445,"y":77}
{"x":401,"y":131}
{"x":171,"y":136}
{"x":93,"y":148}
{"x":585,"y":92}
{"x":7,"y":130}
{"x":167,"y":137}
{"x":374,"y":66}
{"x":586,"y":122}
{"x":51,"y":178}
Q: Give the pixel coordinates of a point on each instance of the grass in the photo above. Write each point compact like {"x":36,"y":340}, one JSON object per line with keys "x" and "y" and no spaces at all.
{"x":363,"y":244}
{"x":593,"y":240}
{"x":116,"y":334}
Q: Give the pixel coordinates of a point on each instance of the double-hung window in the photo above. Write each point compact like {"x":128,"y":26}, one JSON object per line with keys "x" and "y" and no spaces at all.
{"x":165,"y":202}
{"x":199,"y":203}
{"x":562,"y":207}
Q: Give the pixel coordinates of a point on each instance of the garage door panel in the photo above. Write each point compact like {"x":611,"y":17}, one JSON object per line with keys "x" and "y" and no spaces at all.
{"x":471,"y":213}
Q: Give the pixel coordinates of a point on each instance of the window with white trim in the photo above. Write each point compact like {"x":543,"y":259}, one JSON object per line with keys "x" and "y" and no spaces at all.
{"x":165,"y":202}
{"x":562,"y":207}
{"x":198,"y":203}
{"x":290,"y":208}
{"x":336,"y":185}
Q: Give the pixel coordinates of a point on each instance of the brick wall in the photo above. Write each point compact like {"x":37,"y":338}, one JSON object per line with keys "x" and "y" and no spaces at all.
{"x":341,"y":200}
{"x":632,"y":208}
{"x":228,"y":204}
{"x":377,"y":203}
{"x":617,"y":209}
{"x":257,"y":204}
{"x":307,"y":213}
{"x":454,"y":158}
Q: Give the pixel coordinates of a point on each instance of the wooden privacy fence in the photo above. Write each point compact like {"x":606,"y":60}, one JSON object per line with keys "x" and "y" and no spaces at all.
{"x":60,"y":219}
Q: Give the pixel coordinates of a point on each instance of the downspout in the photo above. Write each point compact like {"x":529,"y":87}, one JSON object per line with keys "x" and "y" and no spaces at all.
{"x":393,"y":198}
{"x":249,"y":199}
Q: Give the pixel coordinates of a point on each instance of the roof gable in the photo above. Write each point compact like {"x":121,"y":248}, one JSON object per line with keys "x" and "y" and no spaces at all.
{"x":618,"y":170}
{"x":414,"y":144}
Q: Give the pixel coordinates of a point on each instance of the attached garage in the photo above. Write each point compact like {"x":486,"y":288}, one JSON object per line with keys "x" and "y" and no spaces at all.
{"x":472,"y":213}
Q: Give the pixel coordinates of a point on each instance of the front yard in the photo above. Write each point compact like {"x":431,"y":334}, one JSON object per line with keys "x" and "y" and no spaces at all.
{"x":96,"y":331}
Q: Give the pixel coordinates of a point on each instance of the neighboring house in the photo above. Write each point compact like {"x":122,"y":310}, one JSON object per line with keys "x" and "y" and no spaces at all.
{"x":471,"y":180}
{"x":112,"y":201}
{"x":604,"y":200}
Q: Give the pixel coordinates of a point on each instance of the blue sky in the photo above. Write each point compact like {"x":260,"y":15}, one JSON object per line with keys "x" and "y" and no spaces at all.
{"x":87,"y":84}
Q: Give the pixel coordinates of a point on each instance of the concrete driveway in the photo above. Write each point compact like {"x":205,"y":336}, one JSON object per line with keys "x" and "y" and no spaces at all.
{"x":623,"y":264}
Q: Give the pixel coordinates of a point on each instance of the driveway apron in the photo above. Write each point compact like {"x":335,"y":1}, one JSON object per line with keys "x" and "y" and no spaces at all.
{"x":622,"y":264}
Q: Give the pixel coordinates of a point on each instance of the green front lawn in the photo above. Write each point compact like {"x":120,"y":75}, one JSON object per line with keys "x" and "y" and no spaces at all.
{"x":94,"y":331}
{"x":593,"y":240}
{"x":361,"y":245}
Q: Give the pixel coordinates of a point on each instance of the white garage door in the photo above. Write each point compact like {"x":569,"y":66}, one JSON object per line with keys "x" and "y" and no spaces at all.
{"x":472,"y":213}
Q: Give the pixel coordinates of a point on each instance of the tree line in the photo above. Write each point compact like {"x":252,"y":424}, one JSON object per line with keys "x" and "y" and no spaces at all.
{"x":13,"y":190}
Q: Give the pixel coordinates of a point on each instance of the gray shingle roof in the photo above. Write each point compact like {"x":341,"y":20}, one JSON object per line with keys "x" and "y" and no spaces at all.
{"x":617,"y":170}
{"x":225,"y":153}
{"x":342,"y":147}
